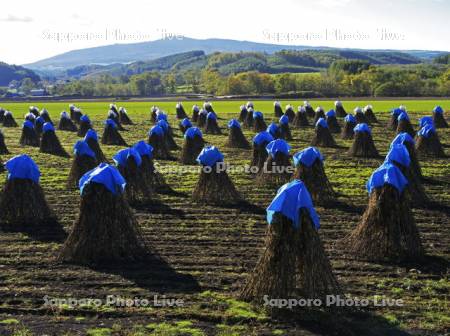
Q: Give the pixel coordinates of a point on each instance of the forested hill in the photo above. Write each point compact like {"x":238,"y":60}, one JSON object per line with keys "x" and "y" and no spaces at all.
{"x":9,"y":73}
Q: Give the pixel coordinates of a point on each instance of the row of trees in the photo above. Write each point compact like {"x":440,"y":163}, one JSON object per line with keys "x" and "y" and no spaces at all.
{"x":343,"y":78}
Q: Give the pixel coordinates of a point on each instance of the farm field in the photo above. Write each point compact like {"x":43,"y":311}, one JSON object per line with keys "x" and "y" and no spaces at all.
{"x":209,"y":251}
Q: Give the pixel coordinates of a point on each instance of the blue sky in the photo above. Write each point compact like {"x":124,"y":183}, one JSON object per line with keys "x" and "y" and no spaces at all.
{"x":40,"y":29}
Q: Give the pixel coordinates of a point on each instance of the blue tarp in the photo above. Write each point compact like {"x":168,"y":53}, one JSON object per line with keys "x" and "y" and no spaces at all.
{"x":387,"y":173}
{"x":40,"y":120}
{"x":399,"y":153}
{"x":276,"y":146}
{"x":349,"y":118}
{"x":284,"y":120}
{"x":110,"y":123}
{"x":403,"y":116}
{"x":438,"y":110}
{"x":402,"y":138}
{"x":164,"y":125}
{"x":307,"y":157}
{"x":192,"y":132}
{"x":22,"y":167}
{"x":27,"y":124}
{"x":425,"y":120}
{"x":290,"y":198}
{"x":262,"y":137}
{"x":211,"y":115}
{"x":426,"y":131}
{"x":396,"y":112}
{"x":273,"y":129}
{"x":158,"y":130}
{"x":121,"y":157}
{"x":85,"y":118}
{"x":257,"y":115}
{"x":233,"y":123}
{"x":362,"y":128}
{"x":322,"y":123}
{"x":331,"y":113}
{"x":91,"y":134}
{"x":209,"y":156}
{"x":104,"y":174}
{"x":144,"y":149}
{"x":186,"y":123}
{"x":161,"y":116}
{"x":82,"y":148}
{"x":48,"y":127}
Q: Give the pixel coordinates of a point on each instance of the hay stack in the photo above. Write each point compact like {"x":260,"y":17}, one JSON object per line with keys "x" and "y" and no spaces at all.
{"x":22,"y":201}
{"x":31,"y":117}
{"x":91,"y":139}
{"x":243,"y":113}
{"x":289,"y":112}
{"x":310,"y":170}
{"x":278,"y":111}
{"x":249,"y":120}
{"x":360,"y":116}
{"x":129,"y":163}
{"x":274,"y":130}
{"x":180,"y":112}
{"x":438,"y":118}
{"x":211,"y":126}
{"x":249,"y":105}
{"x":192,"y":146}
{"x":259,"y":157}
{"x":399,"y":156}
{"x":259,"y":124}
{"x":322,"y":136}
{"x":50,"y":143}
{"x":34,"y":110}
{"x":3,"y":149}
{"x":157,"y":140}
{"x":195,"y":112}
{"x":309,"y":109}
{"x":111,"y":135}
{"x":75,"y":113}
{"x":370,"y":115}
{"x":124,"y":118}
{"x":46,"y":116}
{"x":201,"y":121}
{"x":301,"y":118}
{"x":185,"y":124}
{"x":406,"y":140}
{"x":66,"y":124}
{"x":393,"y":123}
{"x":294,"y":263}
{"x":2,"y":114}
{"x":168,"y":133}
{"x":428,"y":143}
{"x":214,"y":185}
{"x":106,"y":230}
{"x":85,"y":125}
{"x":340,"y":110}
{"x":153,"y":113}
{"x":208,"y":107}
{"x":152,"y":177}
{"x":236,"y":139}
{"x":285,"y":131}
{"x":277,"y":169}
{"x":404,"y":125}
{"x":39,"y":125}
{"x":387,"y":230}
{"x":363,"y":145}
{"x":332,"y":122}
{"x":29,"y":136}
{"x":114,"y":116}
{"x":84,"y":160}
{"x":349,"y":125}
{"x":320,"y":113}
{"x":8,"y":120}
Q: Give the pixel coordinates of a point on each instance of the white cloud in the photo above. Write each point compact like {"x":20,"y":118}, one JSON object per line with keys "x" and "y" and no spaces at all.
{"x":13,"y":18}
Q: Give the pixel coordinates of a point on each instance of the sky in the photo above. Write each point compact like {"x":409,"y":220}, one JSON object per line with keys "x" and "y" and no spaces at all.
{"x":34,"y":30}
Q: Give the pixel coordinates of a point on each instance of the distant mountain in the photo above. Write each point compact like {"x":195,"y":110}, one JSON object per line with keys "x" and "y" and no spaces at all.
{"x":9,"y":73}
{"x":145,"y":51}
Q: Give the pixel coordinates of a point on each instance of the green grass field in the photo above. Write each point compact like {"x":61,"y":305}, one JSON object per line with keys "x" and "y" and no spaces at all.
{"x":217,"y":247}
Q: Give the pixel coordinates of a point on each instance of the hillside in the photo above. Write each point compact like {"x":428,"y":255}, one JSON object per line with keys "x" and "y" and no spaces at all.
{"x":15,"y":72}
{"x":145,"y":51}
